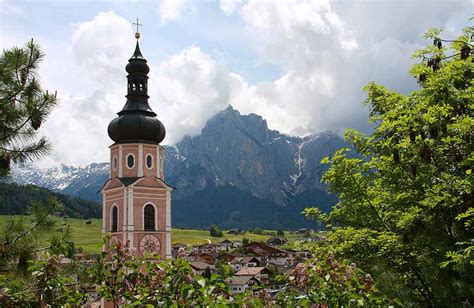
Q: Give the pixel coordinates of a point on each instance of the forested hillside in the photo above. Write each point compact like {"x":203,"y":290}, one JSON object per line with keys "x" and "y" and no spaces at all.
{"x":15,"y":200}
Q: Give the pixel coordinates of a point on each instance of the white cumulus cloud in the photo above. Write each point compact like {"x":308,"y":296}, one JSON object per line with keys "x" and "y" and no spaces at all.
{"x":229,"y":6}
{"x":171,"y":10}
{"x":326,"y":52}
{"x":102,"y":45}
{"x":188,"y":88}
{"x":317,"y":50}
{"x":78,"y":126}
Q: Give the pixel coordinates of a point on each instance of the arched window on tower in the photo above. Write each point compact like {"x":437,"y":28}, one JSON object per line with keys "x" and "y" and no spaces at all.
{"x":149,"y":218}
{"x":114,"y":226}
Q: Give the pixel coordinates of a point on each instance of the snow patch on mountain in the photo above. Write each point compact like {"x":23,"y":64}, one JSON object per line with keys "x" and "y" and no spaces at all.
{"x":64,"y":178}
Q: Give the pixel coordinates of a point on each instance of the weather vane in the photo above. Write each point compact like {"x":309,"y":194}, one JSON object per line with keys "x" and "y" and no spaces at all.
{"x":137,"y":34}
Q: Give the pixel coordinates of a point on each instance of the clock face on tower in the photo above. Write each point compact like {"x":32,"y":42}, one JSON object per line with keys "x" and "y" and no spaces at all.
{"x":149,"y":244}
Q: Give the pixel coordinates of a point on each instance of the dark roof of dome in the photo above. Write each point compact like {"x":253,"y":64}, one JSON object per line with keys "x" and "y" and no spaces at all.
{"x":137,"y":54}
{"x":137,"y":122}
{"x":137,"y":63}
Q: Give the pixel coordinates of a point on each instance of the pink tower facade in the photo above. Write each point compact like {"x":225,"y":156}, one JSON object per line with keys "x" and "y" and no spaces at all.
{"x":136,"y":199}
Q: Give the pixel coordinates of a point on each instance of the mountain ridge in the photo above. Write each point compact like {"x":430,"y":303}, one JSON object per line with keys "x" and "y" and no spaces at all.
{"x":236,"y":157}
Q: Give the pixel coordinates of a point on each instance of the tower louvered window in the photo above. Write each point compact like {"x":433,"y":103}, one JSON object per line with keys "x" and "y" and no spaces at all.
{"x":149,"y":218}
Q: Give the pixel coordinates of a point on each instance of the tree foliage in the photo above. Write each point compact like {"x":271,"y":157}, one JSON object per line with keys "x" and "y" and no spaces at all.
{"x":50,"y":284}
{"x":23,"y":106}
{"x":324,"y":280}
{"x":405,"y":209}
{"x":215,"y":231}
{"x":125,"y":280}
{"x":25,"y":236}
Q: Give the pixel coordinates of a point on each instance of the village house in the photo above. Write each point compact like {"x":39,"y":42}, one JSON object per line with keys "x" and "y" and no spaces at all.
{"x":200,"y":267}
{"x":225,"y":245}
{"x":277,"y":241}
{"x":239,"y":284}
{"x":269,"y":254}
{"x":260,"y":273}
{"x":209,"y":258}
{"x":205,"y":248}
{"x":240,"y":262}
{"x":235,"y":231}
{"x":304,"y":230}
{"x":229,"y":256}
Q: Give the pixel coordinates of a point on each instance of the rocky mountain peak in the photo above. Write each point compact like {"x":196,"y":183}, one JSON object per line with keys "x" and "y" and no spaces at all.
{"x":234,"y":171}
{"x":241,"y":151}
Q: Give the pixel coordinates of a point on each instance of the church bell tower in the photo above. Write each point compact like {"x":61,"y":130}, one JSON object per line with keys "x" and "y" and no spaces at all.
{"x":136,"y":200}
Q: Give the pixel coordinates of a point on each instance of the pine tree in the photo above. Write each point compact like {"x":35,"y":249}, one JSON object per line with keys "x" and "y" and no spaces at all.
{"x":23,"y":106}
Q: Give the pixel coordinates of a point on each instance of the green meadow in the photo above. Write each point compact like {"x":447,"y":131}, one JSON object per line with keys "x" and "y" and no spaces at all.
{"x":88,"y":236}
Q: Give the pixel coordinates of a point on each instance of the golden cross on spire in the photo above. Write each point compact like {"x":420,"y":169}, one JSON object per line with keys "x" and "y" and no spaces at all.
{"x":137,"y":34}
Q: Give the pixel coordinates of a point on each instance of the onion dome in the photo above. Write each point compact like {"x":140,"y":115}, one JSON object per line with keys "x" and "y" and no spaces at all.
{"x":136,"y":122}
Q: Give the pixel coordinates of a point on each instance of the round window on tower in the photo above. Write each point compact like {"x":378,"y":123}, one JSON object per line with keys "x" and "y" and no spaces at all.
{"x":149,"y":161}
{"x":130,"y":161}
{"x":114,"y":162}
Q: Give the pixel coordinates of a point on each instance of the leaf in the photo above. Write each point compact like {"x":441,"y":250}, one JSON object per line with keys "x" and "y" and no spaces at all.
{"x":201,"y":282}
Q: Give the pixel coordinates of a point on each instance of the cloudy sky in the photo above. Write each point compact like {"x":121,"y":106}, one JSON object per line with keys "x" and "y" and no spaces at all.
{"x":299,"y":64}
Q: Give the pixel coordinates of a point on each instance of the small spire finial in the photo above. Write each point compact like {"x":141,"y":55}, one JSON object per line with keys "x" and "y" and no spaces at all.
{"x":137,"y":34}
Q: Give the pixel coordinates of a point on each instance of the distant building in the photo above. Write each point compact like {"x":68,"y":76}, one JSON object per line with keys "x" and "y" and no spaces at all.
{"x":304,"y":230}
{"x":235,"y":231}
{"x":260,"y":273}
{"x":277,"y":241}
{"x":269,"y":254}
{"x":240,"y":262}
{"x":205,"y":248}
{"x":199,"y":266}
{"x":209,"y":258}
{"x":229,"y":256}
{"x":239,"y":284}
{"x":225,"y":245}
